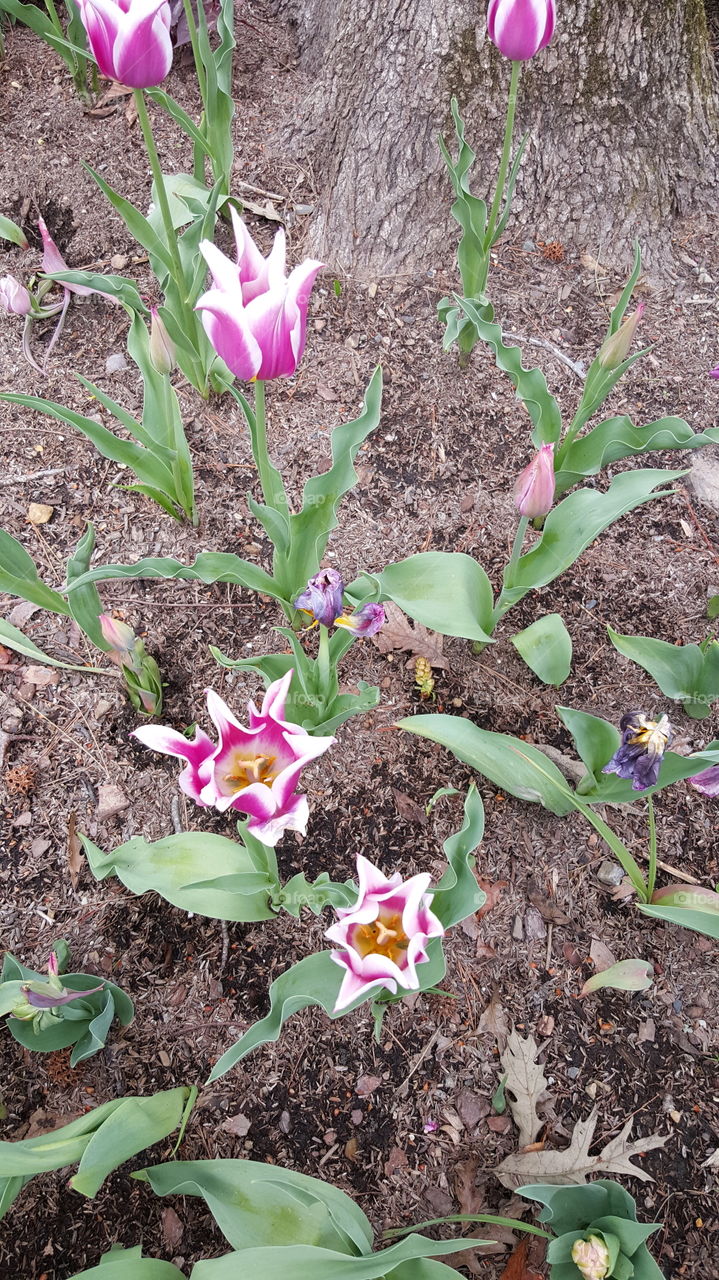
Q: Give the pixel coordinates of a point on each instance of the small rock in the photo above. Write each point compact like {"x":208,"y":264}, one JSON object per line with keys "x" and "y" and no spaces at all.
{"x":40,"y":676}
{"x":610,"y":873}
{"x":471,"y":1108}
{"x":39,"y":846}
{"x":102,"y":706}
{"x":529,"y":246}
{"x":39,"y":513}
{"x":534,"y":926}
{"x":116,"y":363}
{"x":518,"y":929}
{"x":238,"y":1126}
{"x":119,"y":261}
{"x":110,"y":801}
{"x":285,"y":1122}
{"x":704,"y":480}
{"x":573,"y":1072}
{"x":357,"y":1116}
{"x":23,"y":819}
{"x":498,"y":1124}
{"x":304,"y":209}
{"x":367,"y":1085}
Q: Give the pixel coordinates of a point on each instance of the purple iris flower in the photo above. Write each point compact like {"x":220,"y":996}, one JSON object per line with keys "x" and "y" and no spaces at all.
{"x":639,"y":757}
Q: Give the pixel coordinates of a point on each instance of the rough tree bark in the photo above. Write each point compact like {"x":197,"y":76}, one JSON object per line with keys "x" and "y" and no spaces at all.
{"x":623,"y":110}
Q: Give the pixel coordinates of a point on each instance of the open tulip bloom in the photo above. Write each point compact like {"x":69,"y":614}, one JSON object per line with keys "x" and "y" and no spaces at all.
{"x":254,"y":769}
{"x":520,"y":28}
{"x":255,"y":315}
{"x":130,"y":39}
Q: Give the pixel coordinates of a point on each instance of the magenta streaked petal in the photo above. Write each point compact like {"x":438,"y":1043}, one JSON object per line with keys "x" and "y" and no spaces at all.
{"x":101,"y":20}
{"x":222,"y":269}
{"x":143,"y":49}
{"x":39,"y":1000}
{"x":267,"y":320}
{"x":251,"y":269}
{"x":198,"y":753}
{"x":520,"y":28}
{"x":293,"y":818}
{"x":273,"y":703}
{"x":707,"y":782}
{"x":299,"y":288}
{"x":226,"y":326}
{"x":277,"y":262}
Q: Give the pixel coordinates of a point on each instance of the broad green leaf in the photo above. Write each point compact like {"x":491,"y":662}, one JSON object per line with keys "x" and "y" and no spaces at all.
{"x":627,"y":975}
{"x":713,"y":607}
{"x":546,"y":647}
{"x":631,"y":1235}
{"x":468,"y":210}
{"x":303,"y":1262}
{"x":310,"y":528}
{"x":86,"y":604}
{"x":19,"y":643}
{"x":39,"y":22}
{"x":210,"y":566}
{"x":573,"y":525}
{"x":128,"y":1264}
{"x":447,"y":591}
{"x":219,"y":102}
{"x":529,"y":384}
{"x":457,"y":894}
{"x":298,"y":893}
{"x":256,"y":1204}
{"x":84,"y":1024}
{"x":19,"y":576}
{"x":513,"y":765}
{"x":618,"y":438}
{"x":54,"y":1150}
{"x":137,"y":1123}
{"x":596,"y":740}
{"x":692,"y":906}
{"x":685,"y":672}
{"x":117,"y":287}
{"x":9,"y":230}
{"x":572,"y":1208}
{"x":182,"y":867}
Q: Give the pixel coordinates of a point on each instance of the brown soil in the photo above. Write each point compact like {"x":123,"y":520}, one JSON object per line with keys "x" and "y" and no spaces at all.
{"x":437,"y":474}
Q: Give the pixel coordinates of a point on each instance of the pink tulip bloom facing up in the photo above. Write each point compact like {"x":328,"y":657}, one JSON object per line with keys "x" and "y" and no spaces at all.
{"x":534,"y":488}
{"x":520,"y":28}
{"x":255,"y":770}
{"x":254,"y":315}
{"x":383,"y":936}
{"x":129,"y":39}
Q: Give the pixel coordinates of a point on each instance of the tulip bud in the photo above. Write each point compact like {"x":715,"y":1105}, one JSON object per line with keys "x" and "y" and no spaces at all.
{"x":121,"y":638}
{"x":534,"y":488}
{"x":591,"y":1257}
{"x":520,"y":28}
{"x":53,"y":967}
{"x":14,"y":297}
{"x":714,"y":373}
{"x":162,"y":348}
{"x":617,"y":346}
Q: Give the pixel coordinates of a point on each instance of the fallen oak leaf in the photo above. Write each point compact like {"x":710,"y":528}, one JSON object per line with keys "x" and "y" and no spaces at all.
{"x":575,"y":1165}
{"x":493,"y":892}
{"x":398,"y":633}
{"x":525,"y":1086}
{"x":517,"y":1268}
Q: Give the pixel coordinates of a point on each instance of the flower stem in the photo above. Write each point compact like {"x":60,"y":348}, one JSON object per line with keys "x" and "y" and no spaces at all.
{"x":259,"y":441}
{"x":652,"y":872}
{"x":323,"y":659}
{"x":503,"y":169}
{"x":502,"y":605}
{"x":161,"y":191}
{"x":199,"y":65}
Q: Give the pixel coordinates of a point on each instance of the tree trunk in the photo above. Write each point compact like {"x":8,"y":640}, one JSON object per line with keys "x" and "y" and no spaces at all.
{"x":622,"y":109}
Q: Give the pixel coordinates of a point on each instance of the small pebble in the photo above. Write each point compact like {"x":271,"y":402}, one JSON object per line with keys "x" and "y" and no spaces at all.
{"x":116,"y":363}
{"x":610,"y":873}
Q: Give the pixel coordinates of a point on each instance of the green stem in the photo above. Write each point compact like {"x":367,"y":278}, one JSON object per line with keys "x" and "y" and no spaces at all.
{"x":259,"y":440}
{"x":503,"y":169}
{"x":652,"y":873}
{"x":53,"y":16}
{"x":323,"y":660}
{"x":199,"y":65}
{"x":503,"y":605}
{"x":160,"y":190}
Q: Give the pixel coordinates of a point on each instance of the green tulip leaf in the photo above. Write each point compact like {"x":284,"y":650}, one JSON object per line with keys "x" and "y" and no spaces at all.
{"x":303,"y":1262}
{"x":14,"y":639}
{"x":209,"y":567}
{"x":19,"y":577}
{"x":688,"y":672}
{"x":596,"y":740}
{"x":546,"y":647}
{"x":618,"y":438}
{"x":446,"y":591}
{"x":692,"y":906}
{"x":9,"y":230}
{"x":129,"y":1264}
{"x":193,"y":870}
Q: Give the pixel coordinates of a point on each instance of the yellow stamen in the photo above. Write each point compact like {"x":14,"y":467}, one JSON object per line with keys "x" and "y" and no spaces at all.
{"x":383,"y":938}
{"x":244,"y":773}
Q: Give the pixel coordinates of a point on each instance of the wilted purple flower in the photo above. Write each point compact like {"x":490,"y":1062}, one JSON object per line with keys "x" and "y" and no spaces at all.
{"x":520,"y":28}
{"x":643,"y":745}
{"x":40,"y":997}
{"x":255,"y":770}
{"x":714,"y":373}
{"x":130,"y":39}
{"x":367,"y":621}
{"x":617,"y":346}
{"x":534,"y":487}
{"x":707,"y":782}
{"x":254,"y":315}
{"x":322,"y":597}
{"x":14,"y":297}
{"x":383,"y":936}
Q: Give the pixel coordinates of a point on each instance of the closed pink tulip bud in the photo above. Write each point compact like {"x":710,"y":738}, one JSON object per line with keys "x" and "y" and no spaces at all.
{"x":130,"y":39}
{"x":616,"y":348}
{"x":534,"y":488}
{"x":520,"y":28}
{"x":14,"y":297}
{"x":120,"y":637}
{"x":162,"y":348}
{"x":254,"y":315}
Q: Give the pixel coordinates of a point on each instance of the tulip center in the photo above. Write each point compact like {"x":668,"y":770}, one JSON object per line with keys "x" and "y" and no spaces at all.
{"x":383,"y":937}
{"x":652,"y":736}
{"x":243,"y":772}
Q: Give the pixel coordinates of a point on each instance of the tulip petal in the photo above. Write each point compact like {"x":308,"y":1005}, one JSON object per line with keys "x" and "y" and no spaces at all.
{"x":197,"y":751}
{"x":707,"y":782}
{"x":101,"y":20}
{"x":143,"y":49}
{"x":227,"y":329}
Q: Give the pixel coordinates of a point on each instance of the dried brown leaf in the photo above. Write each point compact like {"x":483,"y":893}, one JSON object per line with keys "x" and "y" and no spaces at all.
{"x":399,"y":633}
{"x":173,"y":1229}
{"x":493,"y":1021}
{"x":526,"y":1085}
{"x":367,"y":1085}
{"x":409,"y":809}
{"x":493,"y":890}
{"x":575,"y":1164}
{"x":517,"y":1267}
{"x":397,"y":1160}
{"x":601,"y":956}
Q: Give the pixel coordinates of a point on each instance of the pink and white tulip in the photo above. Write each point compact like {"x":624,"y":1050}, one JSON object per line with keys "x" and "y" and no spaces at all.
{"x":383,"y":937}
{"x":707,"y":782}
{"x":254,"y":315}
{"x":14,"y":297}
{"x":129,"y":39}
{"x":255,"y":770}
{"x":520,"y":28}
{"x":534,"y":488}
